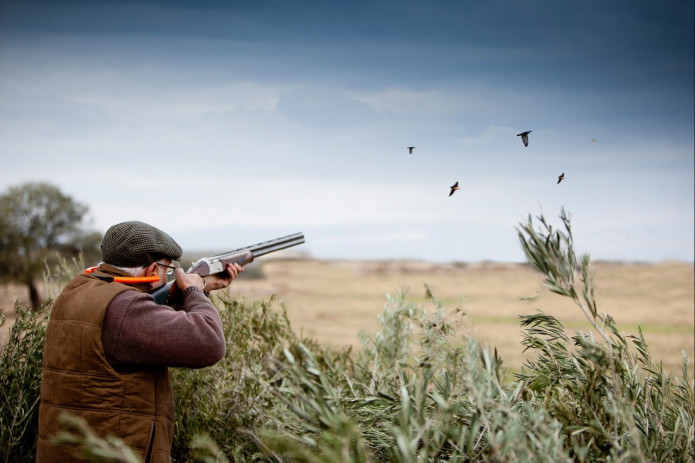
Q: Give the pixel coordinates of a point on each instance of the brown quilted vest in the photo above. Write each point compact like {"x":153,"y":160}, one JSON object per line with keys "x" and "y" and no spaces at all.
{"x":135,"y":405}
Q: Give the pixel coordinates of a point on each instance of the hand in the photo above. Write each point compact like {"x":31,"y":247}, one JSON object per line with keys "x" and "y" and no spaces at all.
{"x":185,"y":280}
{"x":223,"y":279}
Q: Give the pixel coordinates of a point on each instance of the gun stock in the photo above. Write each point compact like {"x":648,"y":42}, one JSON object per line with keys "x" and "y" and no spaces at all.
{"x":217,"y":264}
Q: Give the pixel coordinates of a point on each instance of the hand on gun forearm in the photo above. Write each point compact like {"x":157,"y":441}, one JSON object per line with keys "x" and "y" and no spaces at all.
{"x":222,"y":280}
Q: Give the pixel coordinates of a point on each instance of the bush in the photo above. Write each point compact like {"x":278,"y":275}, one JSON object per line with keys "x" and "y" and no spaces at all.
{"x":21,"y":357}
{"x":417,"y":390}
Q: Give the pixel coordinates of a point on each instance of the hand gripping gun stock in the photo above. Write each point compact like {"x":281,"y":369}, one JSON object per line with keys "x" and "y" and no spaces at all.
{"x":242,"y":256}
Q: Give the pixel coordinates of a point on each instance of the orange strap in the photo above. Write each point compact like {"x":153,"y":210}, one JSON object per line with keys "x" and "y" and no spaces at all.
{"x":126,"y":280}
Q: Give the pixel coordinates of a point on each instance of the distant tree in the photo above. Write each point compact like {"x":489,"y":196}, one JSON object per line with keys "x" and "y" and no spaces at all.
{"x":38,"y":222}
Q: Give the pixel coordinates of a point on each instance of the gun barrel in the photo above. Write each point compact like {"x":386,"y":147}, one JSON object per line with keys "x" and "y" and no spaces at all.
{"x":269,"y":246}
{"x":277,"y":245}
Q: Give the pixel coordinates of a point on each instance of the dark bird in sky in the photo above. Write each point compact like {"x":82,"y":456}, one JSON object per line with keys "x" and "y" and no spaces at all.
{"x":561,"y":178}
{"x":410,"y":149}
{"x":454,"y":187}
{"x":524,"y":136}
{"x":593,"y":140}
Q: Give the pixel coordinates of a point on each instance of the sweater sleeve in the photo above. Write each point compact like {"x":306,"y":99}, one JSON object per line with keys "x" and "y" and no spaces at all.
{"x":139,"y":332}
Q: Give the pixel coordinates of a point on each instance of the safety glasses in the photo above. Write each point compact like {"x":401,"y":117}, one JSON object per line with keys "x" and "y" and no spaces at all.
{"x":170,"y":268}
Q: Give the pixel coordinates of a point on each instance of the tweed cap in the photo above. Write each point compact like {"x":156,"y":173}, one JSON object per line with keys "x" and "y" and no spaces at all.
{"x":137,"y":244}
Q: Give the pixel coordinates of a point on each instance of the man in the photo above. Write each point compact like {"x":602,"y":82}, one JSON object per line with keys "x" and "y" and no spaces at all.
{"x":109,"y":345}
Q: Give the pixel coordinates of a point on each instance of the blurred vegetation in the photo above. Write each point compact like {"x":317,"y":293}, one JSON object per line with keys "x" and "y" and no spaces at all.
{"x":38,"y":224}
{"x":417,"y":391}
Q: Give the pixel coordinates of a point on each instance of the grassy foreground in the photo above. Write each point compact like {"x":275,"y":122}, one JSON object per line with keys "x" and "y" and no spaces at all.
{"x":416,"y":391}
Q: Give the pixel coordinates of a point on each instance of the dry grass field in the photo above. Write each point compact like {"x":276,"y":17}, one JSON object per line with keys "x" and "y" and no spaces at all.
{"x":332,"y":301}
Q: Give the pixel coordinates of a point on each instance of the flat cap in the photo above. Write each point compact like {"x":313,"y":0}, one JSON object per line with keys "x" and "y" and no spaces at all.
{"x":137,"y":244}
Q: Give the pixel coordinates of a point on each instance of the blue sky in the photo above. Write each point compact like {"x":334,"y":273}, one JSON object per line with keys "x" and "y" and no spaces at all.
{"x":228,"y":123}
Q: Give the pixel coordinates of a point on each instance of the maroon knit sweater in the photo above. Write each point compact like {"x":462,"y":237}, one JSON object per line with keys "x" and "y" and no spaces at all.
{"x":139,"y":332}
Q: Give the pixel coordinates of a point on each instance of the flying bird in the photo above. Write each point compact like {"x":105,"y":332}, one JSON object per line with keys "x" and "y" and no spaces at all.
{"x":561,"y":178}
{"x":454,"y":187}
{"x":524,"y":136}
{"x":410,"y":149}
{"x":593,"y":140}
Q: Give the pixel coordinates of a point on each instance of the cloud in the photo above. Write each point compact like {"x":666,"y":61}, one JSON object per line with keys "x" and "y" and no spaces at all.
{"x":240,"y":120}
{"x":325,"y":108}
{"x":287,"y":202}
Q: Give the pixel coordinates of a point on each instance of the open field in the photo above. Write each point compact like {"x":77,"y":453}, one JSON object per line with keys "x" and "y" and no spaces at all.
{"x":332,"y":301}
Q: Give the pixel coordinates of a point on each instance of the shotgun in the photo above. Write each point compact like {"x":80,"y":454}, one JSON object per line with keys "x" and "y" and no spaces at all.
{"x":242,"y":256}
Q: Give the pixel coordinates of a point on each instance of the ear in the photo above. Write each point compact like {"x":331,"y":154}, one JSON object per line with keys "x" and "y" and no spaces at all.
{"x":152,"y":269}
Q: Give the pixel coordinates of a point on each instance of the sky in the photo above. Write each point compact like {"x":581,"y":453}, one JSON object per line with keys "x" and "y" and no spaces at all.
{"x":229,"y":123}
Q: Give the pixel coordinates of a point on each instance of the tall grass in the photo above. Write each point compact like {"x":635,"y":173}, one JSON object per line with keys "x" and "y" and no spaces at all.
{"x":21,"y":355}
{"x":418,"y":390}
